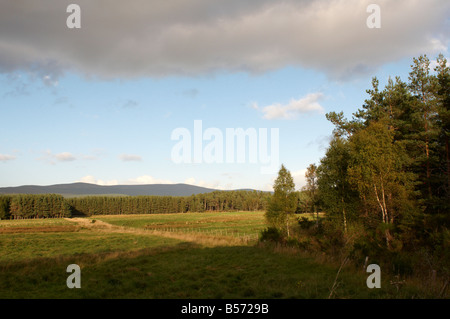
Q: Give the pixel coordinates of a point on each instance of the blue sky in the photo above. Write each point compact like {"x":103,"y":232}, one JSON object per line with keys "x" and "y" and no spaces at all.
{"x":77,"y":110}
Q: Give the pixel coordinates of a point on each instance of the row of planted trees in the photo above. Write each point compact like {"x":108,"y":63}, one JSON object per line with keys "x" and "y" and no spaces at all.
{"x":51,"y":205}
{"x":384,"y":182}
{"x":219,"y":201}
{"x":33,"y":206}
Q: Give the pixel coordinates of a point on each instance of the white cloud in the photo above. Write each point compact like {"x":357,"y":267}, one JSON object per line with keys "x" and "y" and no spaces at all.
{"x":130,"y":158}
{"x":146,"y":179}
{"x":437,"y":45}
{"x":201,"y":183}
{"x":64,"y":157}
{"x":140,"y":180}
{"x":47,"y":79}
{"x":6,"y":157}
{"x":291,"y":110}
{"x":51,"y":158}
{"x":92,"y":180}
{"x":268,"y":187}
{"x":299,"y":178}
{"x":434,"y":63}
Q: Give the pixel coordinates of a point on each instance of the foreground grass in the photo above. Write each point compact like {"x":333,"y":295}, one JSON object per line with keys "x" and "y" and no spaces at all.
{"x":184,"y":271}
{"x":127,"y":262}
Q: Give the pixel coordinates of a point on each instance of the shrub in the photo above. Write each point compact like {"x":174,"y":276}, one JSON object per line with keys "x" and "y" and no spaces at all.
{"x":271,"y":234}
{"x":305,"y":223}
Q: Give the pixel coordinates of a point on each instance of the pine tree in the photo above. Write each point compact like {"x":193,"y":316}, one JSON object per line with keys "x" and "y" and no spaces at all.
{"x":422,"y":85}
{"x":442,"y":189}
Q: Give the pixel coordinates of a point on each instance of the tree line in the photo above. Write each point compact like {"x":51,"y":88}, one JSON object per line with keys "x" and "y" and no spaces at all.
{"x":389,"y":166}
{"x":33,"y":206}
{"x":219,"y":201}
{"x":384,"y":182}
{"x":51,"y":205}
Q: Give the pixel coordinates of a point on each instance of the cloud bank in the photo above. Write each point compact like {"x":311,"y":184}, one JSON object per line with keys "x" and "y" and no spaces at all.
{"x":119,"y":39}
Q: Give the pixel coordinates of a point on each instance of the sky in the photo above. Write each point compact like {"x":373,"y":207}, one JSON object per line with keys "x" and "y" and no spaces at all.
{"x":144,"y":92}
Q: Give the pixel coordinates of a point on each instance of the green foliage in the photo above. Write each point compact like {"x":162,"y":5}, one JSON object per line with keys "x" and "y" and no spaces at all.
{"x":377,"y":172}
{"x":38,"y":206}
{"x":271,"y":234}
{"x":275,"y":215}
{"x":5,"y":202}
{"x":219,"y":201}
{"x":337,"y":196}
{"x":51,"y":205}
{"x":310,"y":192}
{"x":387,"y":170}
{"x":305,"y":223}
{"x":283,"y":202}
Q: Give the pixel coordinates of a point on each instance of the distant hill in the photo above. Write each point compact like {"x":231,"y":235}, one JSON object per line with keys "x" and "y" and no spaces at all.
{"x":80,"y":189}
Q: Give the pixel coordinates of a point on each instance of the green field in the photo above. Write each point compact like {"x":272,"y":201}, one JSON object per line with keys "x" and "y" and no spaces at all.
{"x":234,"y":224}
{"x":169,"y":256}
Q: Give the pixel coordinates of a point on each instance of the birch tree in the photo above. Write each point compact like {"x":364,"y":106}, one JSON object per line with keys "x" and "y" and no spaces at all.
{"x":336,"y":194}
{"x":376,"y":172}
{"x":283,"y":202}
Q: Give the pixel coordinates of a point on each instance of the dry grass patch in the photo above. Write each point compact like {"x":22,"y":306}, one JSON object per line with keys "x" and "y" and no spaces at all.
{"x":50,"y":229}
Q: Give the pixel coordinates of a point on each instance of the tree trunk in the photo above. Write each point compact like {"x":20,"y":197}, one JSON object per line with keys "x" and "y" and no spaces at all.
{"x":343,"y":215}
{"x":287,"y":224}
{"x":384,"y":214}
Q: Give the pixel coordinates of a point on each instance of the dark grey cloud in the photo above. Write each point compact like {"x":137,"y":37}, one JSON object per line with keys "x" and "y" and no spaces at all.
{"x":123,"y":39}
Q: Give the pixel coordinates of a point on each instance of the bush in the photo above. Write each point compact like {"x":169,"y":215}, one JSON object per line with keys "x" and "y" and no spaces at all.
{"x":305,"y":223}
{"x":271,"y":234}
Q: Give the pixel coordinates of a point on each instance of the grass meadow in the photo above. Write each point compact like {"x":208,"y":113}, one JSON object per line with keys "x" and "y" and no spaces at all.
{"x":173,"y":256}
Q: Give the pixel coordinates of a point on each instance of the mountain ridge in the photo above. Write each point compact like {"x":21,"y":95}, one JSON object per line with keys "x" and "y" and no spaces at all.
{"x":86,"y":189}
